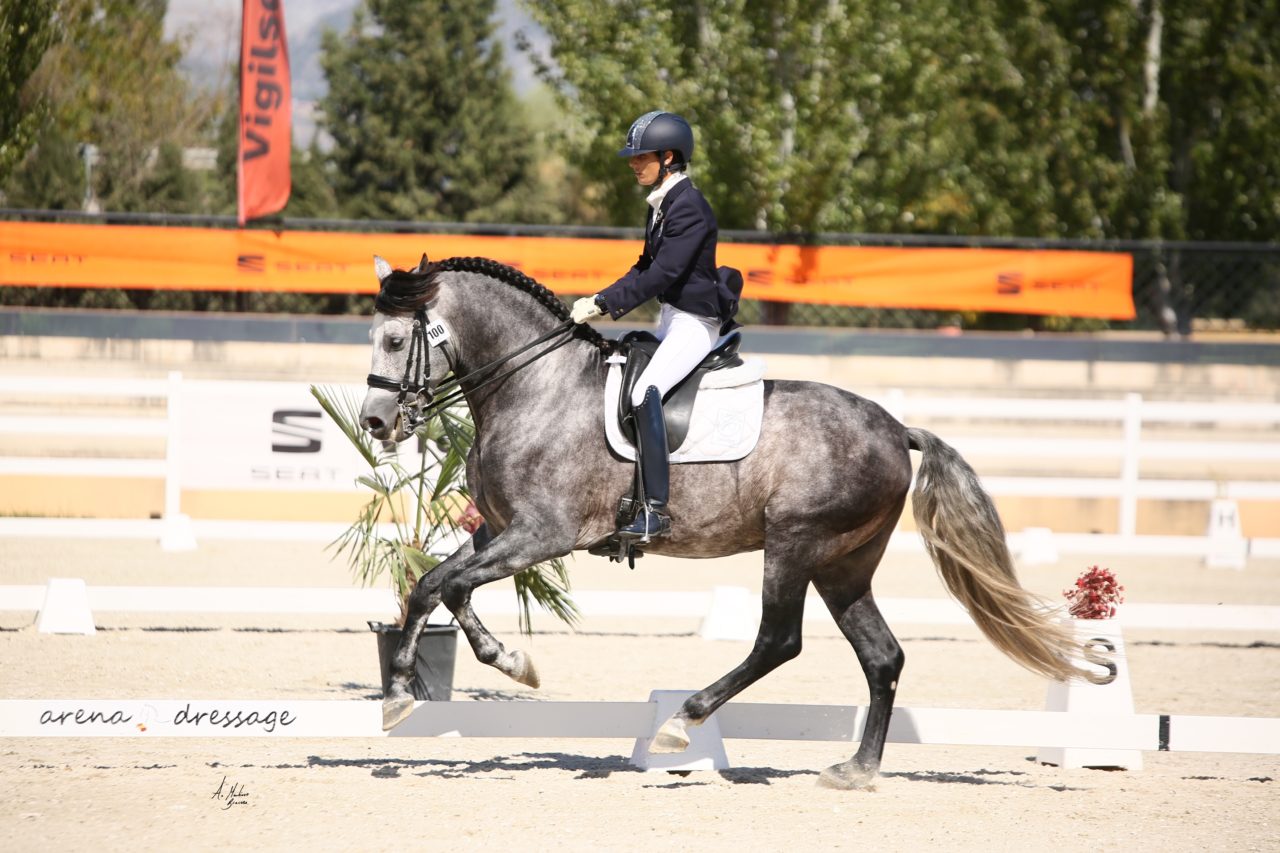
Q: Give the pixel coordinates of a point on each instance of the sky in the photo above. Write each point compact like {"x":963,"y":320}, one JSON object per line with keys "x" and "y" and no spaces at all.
{"x":212,"y":28}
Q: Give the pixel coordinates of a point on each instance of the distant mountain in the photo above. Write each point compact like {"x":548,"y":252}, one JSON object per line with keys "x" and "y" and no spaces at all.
{"x":212,"y":31}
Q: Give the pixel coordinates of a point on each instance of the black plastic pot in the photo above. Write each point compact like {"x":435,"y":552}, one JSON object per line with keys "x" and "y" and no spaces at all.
{"x":433,"y":670}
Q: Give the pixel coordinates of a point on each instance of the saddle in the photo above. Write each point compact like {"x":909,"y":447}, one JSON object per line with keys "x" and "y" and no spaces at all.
{"x":735,"y":404}
{"x":677,"y":405}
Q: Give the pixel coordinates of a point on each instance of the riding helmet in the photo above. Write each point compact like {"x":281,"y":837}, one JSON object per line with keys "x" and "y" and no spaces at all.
{"x":659,"y":131}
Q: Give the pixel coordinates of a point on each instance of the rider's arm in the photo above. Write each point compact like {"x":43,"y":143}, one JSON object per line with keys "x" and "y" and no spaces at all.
{"x":685,"y":231}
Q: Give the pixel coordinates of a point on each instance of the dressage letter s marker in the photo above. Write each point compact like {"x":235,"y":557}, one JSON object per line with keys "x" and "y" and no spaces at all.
{"x":1092,"y":655}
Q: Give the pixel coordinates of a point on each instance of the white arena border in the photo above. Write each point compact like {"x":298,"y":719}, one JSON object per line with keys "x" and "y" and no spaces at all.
{"x":734,"y":610}
{"x":1220,"y":547}
{"x":1092,"y":544}
{"x":291,"y":718}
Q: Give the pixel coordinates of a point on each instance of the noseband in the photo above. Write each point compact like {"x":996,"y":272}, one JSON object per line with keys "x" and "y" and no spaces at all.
{"x":417,"y":376}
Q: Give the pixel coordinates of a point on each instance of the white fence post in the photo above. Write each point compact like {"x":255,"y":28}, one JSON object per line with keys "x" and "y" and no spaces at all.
{"x":1129,"y":465}
{"x":176,"y":533}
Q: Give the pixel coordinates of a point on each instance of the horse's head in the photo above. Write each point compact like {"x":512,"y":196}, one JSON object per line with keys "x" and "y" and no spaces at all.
{"x":404,"y":372}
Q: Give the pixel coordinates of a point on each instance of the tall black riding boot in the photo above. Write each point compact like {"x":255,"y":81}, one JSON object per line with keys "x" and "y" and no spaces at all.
{"x":654,"y":464}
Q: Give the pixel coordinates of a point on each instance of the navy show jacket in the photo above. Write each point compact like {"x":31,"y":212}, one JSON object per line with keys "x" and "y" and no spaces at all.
{"x":678,"y":264}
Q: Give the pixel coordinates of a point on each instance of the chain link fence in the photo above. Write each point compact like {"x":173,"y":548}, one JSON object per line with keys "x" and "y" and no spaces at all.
{"x":1178,"y":287}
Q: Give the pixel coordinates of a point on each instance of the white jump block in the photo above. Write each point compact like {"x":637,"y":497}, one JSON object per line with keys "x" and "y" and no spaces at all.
{"x":706,"y":747}
{"x":1107,"y":693}
{"x":734,"y":615}
{"x":1228,"y":549}
{"x":66,"y":608}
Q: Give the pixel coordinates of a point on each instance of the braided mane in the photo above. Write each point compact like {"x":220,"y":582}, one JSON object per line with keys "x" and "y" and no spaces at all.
{"x":404,"y":291}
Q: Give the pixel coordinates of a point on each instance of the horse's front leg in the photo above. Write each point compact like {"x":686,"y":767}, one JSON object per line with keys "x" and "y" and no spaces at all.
{"x":523,"y":544}
{"x":398,"y":702}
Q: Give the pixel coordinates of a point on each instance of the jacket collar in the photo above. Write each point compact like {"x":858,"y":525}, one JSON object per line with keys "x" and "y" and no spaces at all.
{"x":658,"y":195}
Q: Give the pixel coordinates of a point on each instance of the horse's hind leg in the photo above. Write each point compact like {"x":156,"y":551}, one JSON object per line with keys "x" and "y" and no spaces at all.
{"x":846,"y":589}
{"x":777,"y":642}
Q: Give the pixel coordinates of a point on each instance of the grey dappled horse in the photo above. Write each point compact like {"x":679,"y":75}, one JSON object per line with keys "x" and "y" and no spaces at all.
{"x":820,"y":494}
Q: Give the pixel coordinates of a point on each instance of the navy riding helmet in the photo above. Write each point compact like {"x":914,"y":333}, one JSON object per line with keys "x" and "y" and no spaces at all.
{"x":659,"y":131}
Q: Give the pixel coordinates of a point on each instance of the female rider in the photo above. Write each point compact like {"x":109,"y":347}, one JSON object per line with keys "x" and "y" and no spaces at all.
{"x":678,"y":266}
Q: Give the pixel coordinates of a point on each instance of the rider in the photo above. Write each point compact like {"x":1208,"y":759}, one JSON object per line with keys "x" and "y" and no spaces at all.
{"x":678,"y":266}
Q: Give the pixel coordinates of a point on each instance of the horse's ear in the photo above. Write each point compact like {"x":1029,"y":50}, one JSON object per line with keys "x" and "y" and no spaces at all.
{"x":422,"y":264}
{"x":381,"y":267}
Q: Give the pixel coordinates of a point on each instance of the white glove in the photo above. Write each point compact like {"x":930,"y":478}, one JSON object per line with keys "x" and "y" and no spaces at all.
{"x":584,"y":309}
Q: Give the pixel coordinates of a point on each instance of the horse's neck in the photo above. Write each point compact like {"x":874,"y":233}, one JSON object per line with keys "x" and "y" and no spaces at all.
{"x":543,"y":382}
{"x":538,"y":392}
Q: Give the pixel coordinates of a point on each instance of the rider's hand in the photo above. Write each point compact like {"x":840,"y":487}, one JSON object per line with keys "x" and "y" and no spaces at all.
{"x":584,"y":309}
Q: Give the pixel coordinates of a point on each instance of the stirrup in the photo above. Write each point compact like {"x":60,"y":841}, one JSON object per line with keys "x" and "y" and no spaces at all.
{"x":617,"y":550}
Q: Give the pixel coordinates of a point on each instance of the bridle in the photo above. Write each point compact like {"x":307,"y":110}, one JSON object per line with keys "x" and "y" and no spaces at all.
{"x":417,"y":376}
{"x":414,"y":395}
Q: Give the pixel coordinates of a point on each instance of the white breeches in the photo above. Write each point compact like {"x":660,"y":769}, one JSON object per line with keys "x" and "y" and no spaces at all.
{"x":686,"y":340}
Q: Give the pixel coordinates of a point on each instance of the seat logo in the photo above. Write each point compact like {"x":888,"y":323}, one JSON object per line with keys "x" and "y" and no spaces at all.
{"x":295,"y":431}
{"x":1009,"y":283}
{"x":251,"y":263}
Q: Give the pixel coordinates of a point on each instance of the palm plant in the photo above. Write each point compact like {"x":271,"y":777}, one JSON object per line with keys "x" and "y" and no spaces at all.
{"x":418,"y":511}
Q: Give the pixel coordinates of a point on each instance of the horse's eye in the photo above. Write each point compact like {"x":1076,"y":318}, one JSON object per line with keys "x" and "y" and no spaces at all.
{"x":395,"y":343}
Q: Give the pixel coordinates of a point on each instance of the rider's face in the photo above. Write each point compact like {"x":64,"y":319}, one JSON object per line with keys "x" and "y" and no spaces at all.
{"x":646,"y":168}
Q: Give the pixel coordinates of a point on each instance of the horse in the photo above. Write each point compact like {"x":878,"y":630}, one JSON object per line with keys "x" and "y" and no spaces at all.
{"x":820,"y":494}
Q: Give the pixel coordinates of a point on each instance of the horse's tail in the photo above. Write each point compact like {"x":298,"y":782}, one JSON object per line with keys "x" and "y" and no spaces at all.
{"x":963,"y":534}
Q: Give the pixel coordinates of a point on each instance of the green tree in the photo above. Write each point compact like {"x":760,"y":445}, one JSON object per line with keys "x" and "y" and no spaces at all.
{"x":761,"y":82}
{"x":26,"y":31}
{"x":111,"y":79}
{"x":424,"y":122}
{"x":834,"y":116}
{"x":1219,"y":74}
{"x":1085,"y":118}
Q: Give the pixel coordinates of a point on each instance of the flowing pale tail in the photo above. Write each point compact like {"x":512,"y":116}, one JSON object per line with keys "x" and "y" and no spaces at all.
{"x":963,"y":534}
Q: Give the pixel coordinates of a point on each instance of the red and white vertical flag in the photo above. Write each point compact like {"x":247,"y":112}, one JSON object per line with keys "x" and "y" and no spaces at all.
{"x":265,"y":116}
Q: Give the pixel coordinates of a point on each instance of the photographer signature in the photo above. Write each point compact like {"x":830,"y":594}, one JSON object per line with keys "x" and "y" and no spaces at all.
{"x":235,"y":795}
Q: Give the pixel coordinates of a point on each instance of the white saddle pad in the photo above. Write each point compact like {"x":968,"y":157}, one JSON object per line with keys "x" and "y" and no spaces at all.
{"x":727,"y":413}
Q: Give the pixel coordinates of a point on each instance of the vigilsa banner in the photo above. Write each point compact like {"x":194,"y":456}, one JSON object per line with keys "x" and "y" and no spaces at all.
{"x":263,"y":179}
{"x":1050,"y":282}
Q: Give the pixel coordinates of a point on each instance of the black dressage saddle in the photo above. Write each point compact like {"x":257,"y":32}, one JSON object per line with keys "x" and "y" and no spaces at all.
{"x":677,"y":405}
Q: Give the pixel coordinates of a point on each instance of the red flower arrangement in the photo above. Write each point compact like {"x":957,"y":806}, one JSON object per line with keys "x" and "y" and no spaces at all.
{"x":1095,"y":596}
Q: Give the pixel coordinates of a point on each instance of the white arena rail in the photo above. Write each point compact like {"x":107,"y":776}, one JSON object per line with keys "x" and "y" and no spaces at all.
{"x":1128,"y":449}
{"x":172,"y":529}
{"x":725,"y":613}
{"x":291,"y":718}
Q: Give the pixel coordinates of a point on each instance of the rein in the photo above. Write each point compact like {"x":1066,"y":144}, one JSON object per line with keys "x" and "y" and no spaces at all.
{"x":417,"y":373}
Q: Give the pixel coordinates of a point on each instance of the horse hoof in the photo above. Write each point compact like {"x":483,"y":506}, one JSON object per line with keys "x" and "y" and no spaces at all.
{"x":523,"y":670}
{"x":670,"y":738}
{"x":394,"y":711}
{"x":848,"y":777}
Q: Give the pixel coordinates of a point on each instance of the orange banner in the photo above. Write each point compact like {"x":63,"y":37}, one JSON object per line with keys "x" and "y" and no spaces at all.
{"x":266,"y":114}
{"x":1063,"y":283}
